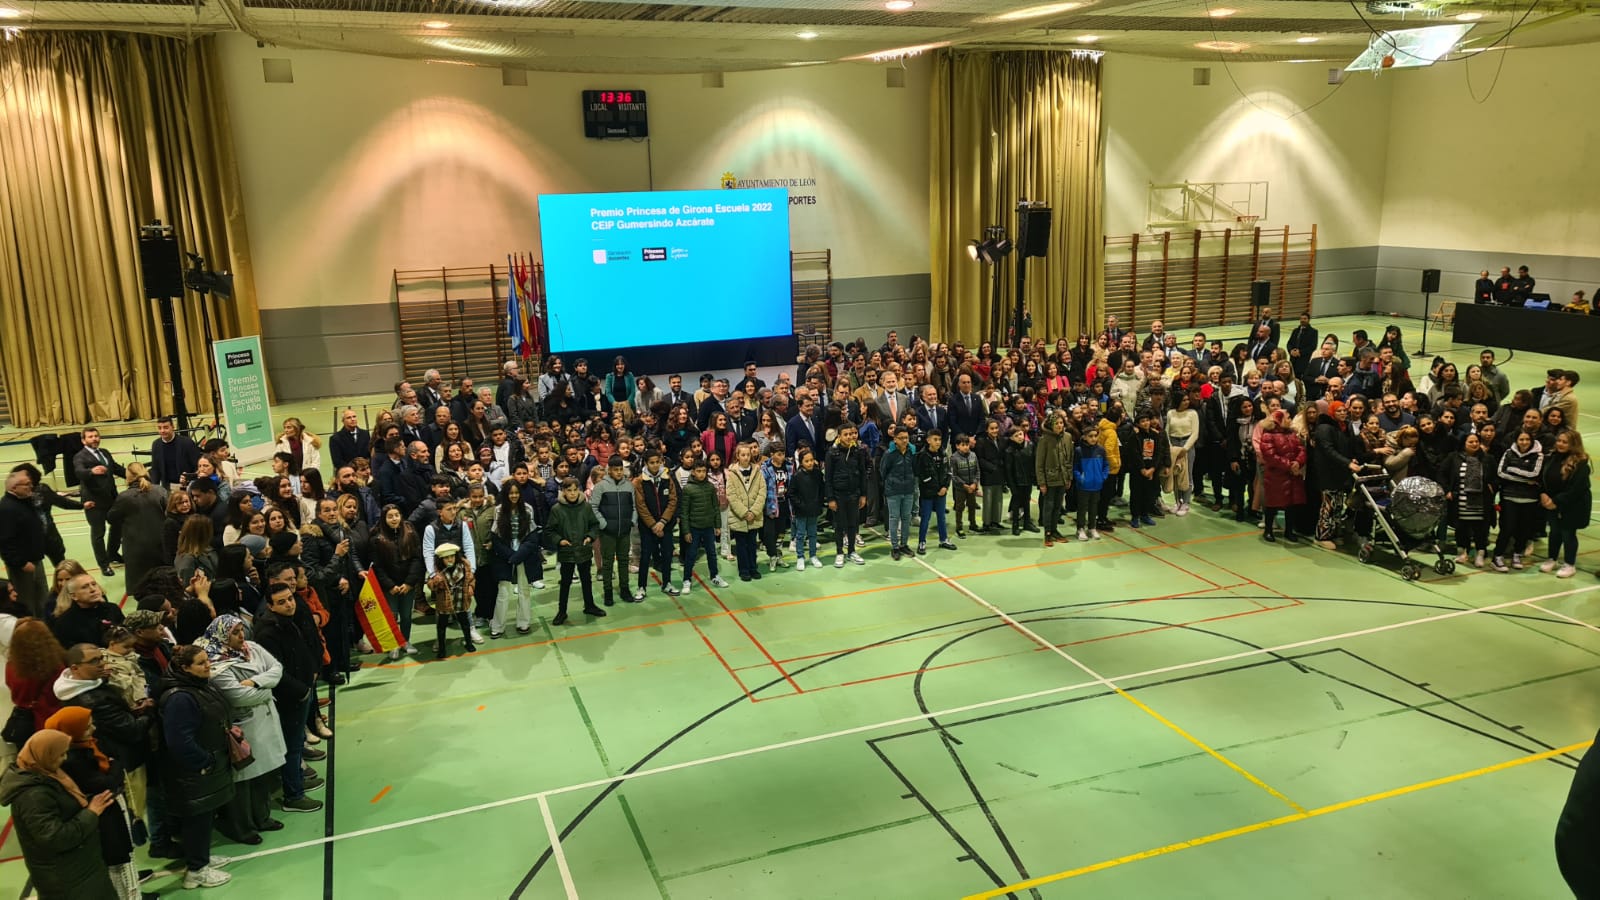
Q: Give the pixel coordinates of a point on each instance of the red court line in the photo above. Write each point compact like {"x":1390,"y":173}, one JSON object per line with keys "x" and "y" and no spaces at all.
{"x":713,"y":648}
{"x":5,"y":833}
{"x":759,"y":646}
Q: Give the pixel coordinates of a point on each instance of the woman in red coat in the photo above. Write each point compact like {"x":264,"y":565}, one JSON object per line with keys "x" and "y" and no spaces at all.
{"x":1283,"y":473}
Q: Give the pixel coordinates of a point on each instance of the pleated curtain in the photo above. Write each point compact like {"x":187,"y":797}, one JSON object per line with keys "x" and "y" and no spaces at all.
{"x":1008,"y":126}
{"x":100,"y":133}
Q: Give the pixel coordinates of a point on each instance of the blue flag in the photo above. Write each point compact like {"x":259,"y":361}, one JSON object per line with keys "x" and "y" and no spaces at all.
{"x":514,"y":311}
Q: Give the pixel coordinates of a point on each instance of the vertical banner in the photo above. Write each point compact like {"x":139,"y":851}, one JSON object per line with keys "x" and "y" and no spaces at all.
{"x":242,"y":378}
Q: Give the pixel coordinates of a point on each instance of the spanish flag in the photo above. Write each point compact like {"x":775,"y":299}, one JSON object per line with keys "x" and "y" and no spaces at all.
{"x":377,"y":620}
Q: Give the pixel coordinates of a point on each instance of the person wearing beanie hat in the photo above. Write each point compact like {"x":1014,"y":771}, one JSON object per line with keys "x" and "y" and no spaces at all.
{"x":452,"y":591}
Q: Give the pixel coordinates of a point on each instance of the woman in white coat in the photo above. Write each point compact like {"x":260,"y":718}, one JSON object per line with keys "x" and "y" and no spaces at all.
{"x":246,"y":673}
{"x":302,"y":445}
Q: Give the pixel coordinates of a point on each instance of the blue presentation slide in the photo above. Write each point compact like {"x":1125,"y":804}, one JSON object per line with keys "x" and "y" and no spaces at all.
{"x":665,"y":267}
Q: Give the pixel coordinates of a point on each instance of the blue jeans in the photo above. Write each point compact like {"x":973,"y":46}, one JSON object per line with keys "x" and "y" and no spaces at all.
{"x":935,"y":506}
{"x":901,"y":508}
{"x":293,"y":719}
{"x":698,"y":538}
{"x":805,"y":536}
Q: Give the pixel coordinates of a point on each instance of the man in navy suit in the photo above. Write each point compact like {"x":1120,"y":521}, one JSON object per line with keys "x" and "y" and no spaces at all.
{"x":171,"y":454}
{"x":351,"y":442}
{"x":1268,"y":322}
{"x":97,"y":474}
{"x":806,"y":426}
{"x":966,"y":408}
{"x":930,"y":415}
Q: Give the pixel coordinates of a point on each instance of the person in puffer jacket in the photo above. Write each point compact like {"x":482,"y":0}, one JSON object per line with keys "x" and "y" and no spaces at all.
{"x":1090,"y":469}
{"x":778,"y":472}
{"x":612,"y":500}
{"x":1518,"y":474}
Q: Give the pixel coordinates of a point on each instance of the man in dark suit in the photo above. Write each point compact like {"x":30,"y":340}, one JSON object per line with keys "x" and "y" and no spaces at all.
{"x":432,"y":393}
{"x":461,"y":404}
{"x":97,"y":479}
{"x":892,"y":402}
{"x":931,"y":416}
{"x":350,"y":443}
{"x":1302,"y":344}
{"x":713,"y":404}
{"x":1265,"y":320}
{"x":1322,"y":367}
{"x":171,"y":454}
{"x":1113,"y":333}
{"x":1522,"y":287}
{"x":742,"y":420}
{"x":807,"y":426}
{"x":676,"y":394}
{"x":966,"y":409}
{"x":1262,"y":344}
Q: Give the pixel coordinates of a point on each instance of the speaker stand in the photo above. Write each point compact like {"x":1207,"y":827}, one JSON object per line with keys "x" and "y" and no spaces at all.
{"x":169,"y":335}
{"x":1427,"y":303}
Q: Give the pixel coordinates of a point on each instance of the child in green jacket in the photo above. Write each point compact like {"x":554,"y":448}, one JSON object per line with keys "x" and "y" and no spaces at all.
{"x":570,"y":534}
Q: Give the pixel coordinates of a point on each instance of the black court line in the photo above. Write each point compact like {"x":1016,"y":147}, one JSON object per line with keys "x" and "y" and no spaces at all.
{"x":545,"y":856}
{"x":328,"y":798}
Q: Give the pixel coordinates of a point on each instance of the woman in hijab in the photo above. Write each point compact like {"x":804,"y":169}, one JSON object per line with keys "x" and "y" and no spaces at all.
{"x":245,"y":673}
{"x":57,"y":826}
{"x":94,"y":772}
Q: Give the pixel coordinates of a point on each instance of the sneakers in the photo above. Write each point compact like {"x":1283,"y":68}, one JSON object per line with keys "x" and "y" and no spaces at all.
{"x":772,"y":564}
{"x":207,"y":877}
{"x":304,"y":804}
{"x":1182,"y":508}
{"x":719,"y":581}
{"x":1516,"y":560}
{"x":668,"y":589}
{"x":856,"y":558}
{"x":838,"y":561}
{"x":538,"y":585}
{"x":1566,"y":571}
{"x":1548,"y":565}
{"x":393,"y":655}
{"x":894,"y":553}
{"x":637,"y":597}
{"x":1499,"y":565}
{"x":800,"y":564}
{"x":1133,"y":522}
{"x":1083,"y":534}
{"x":816,"y":563}
{"x":947,"y":545}
{"x":1147,"y":521}
{"x":477,"y":636}
{"x":1477,"y":561}
{"x":409,"y":650}
{"x":312,"y":754}
{"x":685,"y":588}
{"x":922,"y":548}
{"x":1094,"y":534}
{"x":1461,"y":559}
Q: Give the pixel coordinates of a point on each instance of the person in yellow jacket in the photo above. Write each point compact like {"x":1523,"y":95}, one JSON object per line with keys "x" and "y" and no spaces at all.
{"x":1112,"y":445}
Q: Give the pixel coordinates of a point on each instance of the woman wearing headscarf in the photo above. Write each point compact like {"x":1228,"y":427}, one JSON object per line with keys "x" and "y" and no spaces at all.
{"x":197,"y":774}
{"x":56,"y":824}
{"x":245,"y":674}
{"x":93,"y":771}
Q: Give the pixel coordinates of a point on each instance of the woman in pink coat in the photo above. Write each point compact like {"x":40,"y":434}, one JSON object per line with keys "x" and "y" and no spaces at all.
{"x":1283,"y":473}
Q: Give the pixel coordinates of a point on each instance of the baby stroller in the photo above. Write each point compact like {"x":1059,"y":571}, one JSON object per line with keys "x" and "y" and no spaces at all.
{"x":1401,"y":518}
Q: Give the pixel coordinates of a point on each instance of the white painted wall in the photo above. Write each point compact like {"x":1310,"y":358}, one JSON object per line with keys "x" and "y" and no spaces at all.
{"x":1513,"y":174}
{"x":366,"y":164}
{"x":1324,"y":167}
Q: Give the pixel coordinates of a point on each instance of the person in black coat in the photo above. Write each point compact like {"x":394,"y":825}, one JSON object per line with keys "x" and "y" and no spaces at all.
{"x":845,"y":476}
{"x":97,"y":473}
{"x":1334,"y":462}
{"x":327,"y":550}
{"x":991,"y":452}
{"x":125,"y":736}
{"x":22,"y":543}
{"x":350,"y":443}
{"x":86,"y":619}
{"x":196,"y":772}
{"x":1303,"y":344}
{"x":46,"y":499}
{"x":805,"y":427}
{"x":172,"y":455}
{"x":293,"y":642}
{"x":967,"y":409}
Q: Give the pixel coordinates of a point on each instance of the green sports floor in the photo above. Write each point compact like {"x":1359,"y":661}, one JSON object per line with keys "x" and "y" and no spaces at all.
{"x":1179,"y":711}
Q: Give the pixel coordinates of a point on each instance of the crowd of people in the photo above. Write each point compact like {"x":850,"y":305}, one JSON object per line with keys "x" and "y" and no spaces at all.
{"x":198,"y":712}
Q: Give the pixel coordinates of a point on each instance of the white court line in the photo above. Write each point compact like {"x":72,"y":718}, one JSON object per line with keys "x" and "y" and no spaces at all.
{"x":1551,"y":612}
{"x":555,"y":848}
{"x":909,"y":720}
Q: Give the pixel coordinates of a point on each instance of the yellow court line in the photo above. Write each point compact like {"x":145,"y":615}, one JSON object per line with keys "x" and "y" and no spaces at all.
{"x":1273,"y":823}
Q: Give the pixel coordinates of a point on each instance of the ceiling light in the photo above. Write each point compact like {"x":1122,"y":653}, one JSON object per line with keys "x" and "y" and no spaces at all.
{"x":806,"y":35}
{"x":436,"y":25}
{"x":1306,"y":40}
{"x":898,"y":5}
{"x":1222,"y":12}
{"x":1223,"y":46}
{"x":1469,"y":17}
{"x":900,"y":53}
{"x":1087,"y":38}
{"x":8,"y":13}
{"x":1034,"y":12}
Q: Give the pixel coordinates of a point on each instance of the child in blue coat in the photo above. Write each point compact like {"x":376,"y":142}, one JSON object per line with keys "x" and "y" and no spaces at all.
{"x":1090,"y":469}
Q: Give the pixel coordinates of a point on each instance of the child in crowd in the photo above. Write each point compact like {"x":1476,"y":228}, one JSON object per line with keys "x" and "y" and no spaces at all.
{"x":898,"y":472}
{"x":570,"y":536}
{"x":702,"y":517}
{"x":1145,"y":484}
{"x":1090,"y":469}
{"x":805,"y":504}
{"x":1019,"y":480}
{"x":777,"y":472}
{"x":933,"y":485}
{"x":451,"y":587}
{"x":966,"y":483}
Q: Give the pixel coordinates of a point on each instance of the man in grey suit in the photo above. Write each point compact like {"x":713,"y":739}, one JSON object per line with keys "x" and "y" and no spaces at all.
{"x":892,"y":402}
{"x":97,"y":475}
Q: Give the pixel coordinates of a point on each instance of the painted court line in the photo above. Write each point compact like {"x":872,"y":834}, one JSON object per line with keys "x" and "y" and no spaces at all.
{"x":1551,"y":612}
{"x":907,"y":720}
{"x":1110,"y":685}
{"x":555,"y":847}
{"x":1273,"y":823}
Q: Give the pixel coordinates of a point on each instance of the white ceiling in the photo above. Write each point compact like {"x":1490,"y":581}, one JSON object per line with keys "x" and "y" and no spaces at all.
{"x":684,"y":36}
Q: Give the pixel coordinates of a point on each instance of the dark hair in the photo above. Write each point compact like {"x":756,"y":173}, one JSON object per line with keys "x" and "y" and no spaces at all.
{"x":184,"y":657}
{"x":231,"y":560}
{"x":506,"y":513}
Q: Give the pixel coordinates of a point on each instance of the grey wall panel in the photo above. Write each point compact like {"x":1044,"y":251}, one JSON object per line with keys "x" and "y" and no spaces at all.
{"x":869,"y":307}
{"x":331,"y":351}
{"x":1344,"y":280}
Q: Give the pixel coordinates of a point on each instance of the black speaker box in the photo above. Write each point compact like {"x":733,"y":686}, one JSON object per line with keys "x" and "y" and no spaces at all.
{"x":1036,"y":226}
{"x":1260,"y":293}
{"x":162,"y":267}
{"x":1430,"y":281}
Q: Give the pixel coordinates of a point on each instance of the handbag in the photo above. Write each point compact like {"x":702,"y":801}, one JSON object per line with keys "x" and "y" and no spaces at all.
{"x":18,"y":727}
{"x":238,"y":748}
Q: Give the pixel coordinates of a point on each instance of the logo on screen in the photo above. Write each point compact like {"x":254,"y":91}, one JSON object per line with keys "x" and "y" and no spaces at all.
{"x":599,"y":257}
{"x":729,"y":181}
{"x":653,"y":254}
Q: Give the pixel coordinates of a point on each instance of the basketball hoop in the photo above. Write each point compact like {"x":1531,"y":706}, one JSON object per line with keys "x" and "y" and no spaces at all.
{"x":1247,"y":221}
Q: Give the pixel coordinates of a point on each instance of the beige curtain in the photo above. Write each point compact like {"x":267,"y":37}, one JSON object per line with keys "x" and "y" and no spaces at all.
{"x":100,"y":133}
{"x":1008,"y":126}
